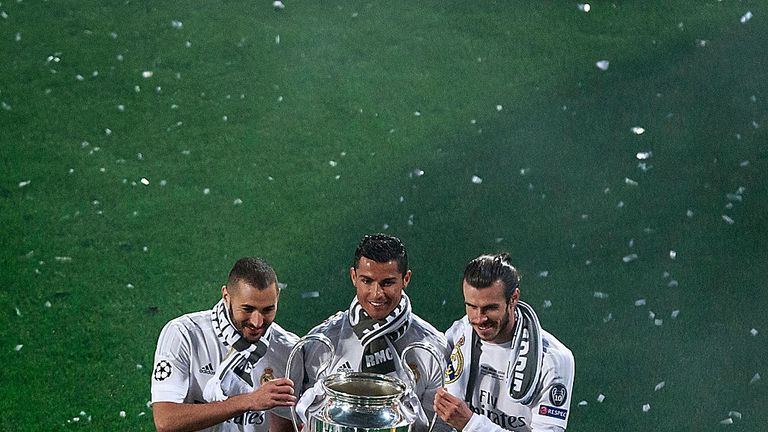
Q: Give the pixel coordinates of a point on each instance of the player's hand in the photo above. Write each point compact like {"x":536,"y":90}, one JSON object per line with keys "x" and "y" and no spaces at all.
{"x":273,"y":393}
{"x":451,"y":409}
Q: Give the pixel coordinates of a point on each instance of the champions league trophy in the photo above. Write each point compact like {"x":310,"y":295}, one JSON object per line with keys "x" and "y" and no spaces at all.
{"x":360,"y":401}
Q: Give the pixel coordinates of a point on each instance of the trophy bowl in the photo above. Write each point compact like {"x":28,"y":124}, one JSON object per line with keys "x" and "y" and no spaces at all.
{"x":360,"y":400}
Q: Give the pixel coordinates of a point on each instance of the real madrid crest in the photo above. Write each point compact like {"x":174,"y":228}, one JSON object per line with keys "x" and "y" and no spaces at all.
{"x":266,"y":376}
{"x":456,"y":363}
{"x":415,"y":369}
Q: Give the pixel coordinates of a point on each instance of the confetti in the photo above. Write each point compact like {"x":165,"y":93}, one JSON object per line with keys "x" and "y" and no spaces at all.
{"x":608,"y":318}
{"x":726,"y":421}
{"x":177,"y":24}
{"x":600,"y":398}
{"x":332,"y":163}
{"x":646,"y":407}
{"x":753,"y":332}
{"x":544,"y":273}
{"x":144,"y":181}
{"x":637,"y":130}
{"x":602,"y":65}
{"x":499,"y":107}
{"x":672,"y":254}
{"x":584,"y":7}
{"x":24,"y":183}
{"x":628,"y":181}
{"x":237,"y":201}
{"x":629,"y":258}
{"x":746,"y":17}
{"x":63,"y":259}
{"x":583,"y":403}
{"x":600,"y":295}
{"x":122,"y":414}
{"x":675,"y":313}
{"x":659,"y":386}
{"x":310,"y":294}
{"x":734,"y":414}
{"x":18,"y":348}
{"x":728,"y":219}
{"x":547,"y":304}
{"x":644,"y":155}
{"x":476,"y":179}
{"x":47,"y":304}
{"x":755,"y":378}
{"x":640,"y":302}
{"x":18,"y":312}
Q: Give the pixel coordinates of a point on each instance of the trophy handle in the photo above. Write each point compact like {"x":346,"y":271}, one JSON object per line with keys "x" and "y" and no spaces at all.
{"x":438,"y":358}
{"x":303,"y":341}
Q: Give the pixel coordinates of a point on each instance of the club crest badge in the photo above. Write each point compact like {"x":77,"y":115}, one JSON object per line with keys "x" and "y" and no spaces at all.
{"x":455,"y":364}
{"x":162,"y":370}
{"x":558,"y":395}
{"x":415,"y":369}
{"x":268,"y":375}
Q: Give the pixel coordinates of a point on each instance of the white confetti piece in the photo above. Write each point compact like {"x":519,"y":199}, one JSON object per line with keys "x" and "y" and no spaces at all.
{"x":547,"y":304}
{"x":476,"y":179}
{"x":310,"y":294}
{"x":646,"y":407}
{"x":659,"y":386}
{"x":640,"y":302}
{"x":24,"y":183}
{"x":277,"y":39}
{"x":753,"y":332}
{"x":603,"y":65}
{"x":544,"y":273}
{"x":417,"y":113}
{"x":5,"y":105}
{"x":658,"y":322}
{"x":673,"y":283}
{"x":689,"y":213}
{"x":144,"y":181}
{"x":744,"y":163}
{"x":163,"y":182}
{"x":63,"y":259}
{"x":608,"y":318}
{"x":651,"y":315}
{"x":726,"y":421}
{"x":332,"y":163}
{"x":47,"y":304}
{"x":637,"y":130}
{"x":18,"y":348}
{"x":584,"y":7}
{"x":734,"y":414}
{"x":675,"y":313}
{"x":206,"y":191}
{"x":18,"y":312}
{"x":600,"y":398}
{"x":728,"y":219}
{"x":644,"y":155}
{"x":237,"y":201}
{"x":746,"y":17}
{"x":122,"y":414}
{"x":138,"y":366}
{"x":629,"y":258}
{"x":177,"y":24}
{"x":600,"y":295}
{"x":755,"y":378}
{"x":499,"y":107}
{"x":628,"y":181}
{"x":278,"y":5}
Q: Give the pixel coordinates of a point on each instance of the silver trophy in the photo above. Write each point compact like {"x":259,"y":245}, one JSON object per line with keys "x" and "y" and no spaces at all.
{"x":360,"y":401}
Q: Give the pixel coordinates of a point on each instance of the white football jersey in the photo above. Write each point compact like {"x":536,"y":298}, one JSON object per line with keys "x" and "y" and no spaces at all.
{"x":495,"y":410}
{"x":187,"y":355}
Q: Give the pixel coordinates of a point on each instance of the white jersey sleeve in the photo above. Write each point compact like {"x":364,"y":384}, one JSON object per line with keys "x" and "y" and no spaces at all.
{"x":552,"y":406}
{"x":170,"y":377}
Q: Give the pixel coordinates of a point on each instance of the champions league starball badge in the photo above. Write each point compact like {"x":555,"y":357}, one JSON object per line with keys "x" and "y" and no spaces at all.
{"x":162,"y":370}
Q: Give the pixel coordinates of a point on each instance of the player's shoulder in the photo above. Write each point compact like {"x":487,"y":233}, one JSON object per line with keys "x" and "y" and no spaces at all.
{"x":332,"y":324}
{"x":426,"y":331}
{"x":193,"y":322}
{"x":556,"y":354}
{"x":282,"y":336}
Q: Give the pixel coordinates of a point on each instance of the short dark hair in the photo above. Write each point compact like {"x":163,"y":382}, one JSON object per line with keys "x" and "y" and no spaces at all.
{"x":484,"y":270}
{"x":382,"y":248}
{"x":254,"y":271}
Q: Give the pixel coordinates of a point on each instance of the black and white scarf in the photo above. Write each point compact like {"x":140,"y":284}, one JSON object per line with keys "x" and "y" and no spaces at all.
{"x":524,"y":368}
{"x":377,"y":336}
{"x":233,"y":375}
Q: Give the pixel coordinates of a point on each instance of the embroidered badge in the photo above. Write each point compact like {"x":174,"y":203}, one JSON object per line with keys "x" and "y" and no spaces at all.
{"x":162,"y":370}
{"x":266,"y":376}
{"x":558,"y":395}
{"x":415,"y":369}
{"x":456,"y":364}
{"x":549,"y":411}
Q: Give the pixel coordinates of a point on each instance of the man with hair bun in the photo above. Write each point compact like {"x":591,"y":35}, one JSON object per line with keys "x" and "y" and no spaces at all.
{"x":505,"y":373}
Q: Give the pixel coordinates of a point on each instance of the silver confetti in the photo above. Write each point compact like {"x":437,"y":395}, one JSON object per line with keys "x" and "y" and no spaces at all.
{"x":675,"y":313}
{"x":600,"y":295}
{"x":18,"y":348}
{"x":753,"y":332}
{"x":646,"y":407}
{"x":637,"y":130}
{"x":603,"y":65}
{"x":755,"y":378}
{"x":726,"y":421}
{"x":746,"y":17}
{"x":644,"y":155}
{"x":629,"y":258}
{"x":24,"y":183}
{"x":659,"y":386}
{"x":584,"y":7}
{"x":640,"y":302}
{"x":629,"y":181}
{"x":728,"y":219}
{"x":237,"y":201}
{"x":600,"y":398}
{"x":734,"y":414}
{"x":476,"y":179}
{"x":310,"y":294}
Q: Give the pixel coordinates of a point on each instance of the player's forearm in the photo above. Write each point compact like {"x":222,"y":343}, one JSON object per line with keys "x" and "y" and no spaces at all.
{"x":181,"y":417}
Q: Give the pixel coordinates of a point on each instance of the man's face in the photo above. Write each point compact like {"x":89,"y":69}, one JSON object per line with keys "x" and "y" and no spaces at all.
{"x":379,"y":286}
{"x":492,"y":318}
{"x":252,"y":310}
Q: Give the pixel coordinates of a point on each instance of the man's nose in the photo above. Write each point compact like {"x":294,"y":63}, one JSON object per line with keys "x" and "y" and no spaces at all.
{"x":256,"y":319}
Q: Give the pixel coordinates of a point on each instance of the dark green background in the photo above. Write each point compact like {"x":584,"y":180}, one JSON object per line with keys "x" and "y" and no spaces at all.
{"x":230,"y":109}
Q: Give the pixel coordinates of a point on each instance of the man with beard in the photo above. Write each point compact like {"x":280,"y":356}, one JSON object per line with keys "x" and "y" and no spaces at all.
{"x":378,"y":325}
{"x":217,"y":370}
{"x":505,"y":371}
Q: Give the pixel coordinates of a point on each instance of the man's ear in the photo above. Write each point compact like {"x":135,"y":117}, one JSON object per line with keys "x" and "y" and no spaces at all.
{"x":353,"y":275}
{"x":406,"y":278}
{"x":224,"y":293}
